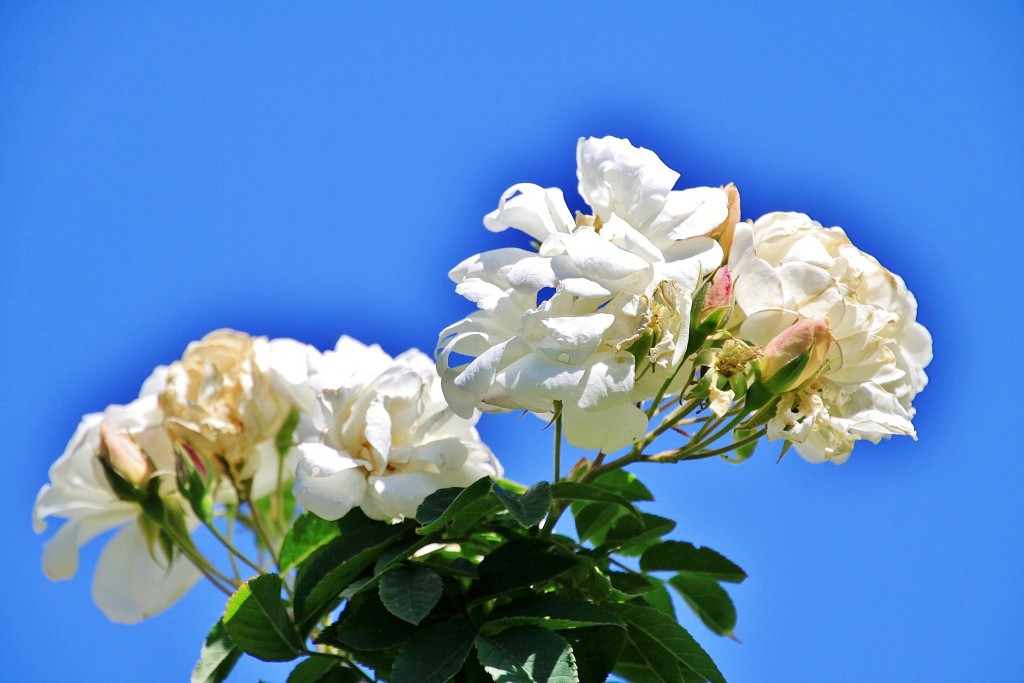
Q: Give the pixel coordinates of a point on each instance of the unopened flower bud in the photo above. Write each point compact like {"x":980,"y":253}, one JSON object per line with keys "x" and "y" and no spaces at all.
{"x":796,"y":355}
{"x":714,"y":301}
{"x":124,"y":456}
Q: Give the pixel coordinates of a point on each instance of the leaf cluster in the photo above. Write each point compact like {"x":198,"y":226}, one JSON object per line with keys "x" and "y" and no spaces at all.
{"x":475,"y":590}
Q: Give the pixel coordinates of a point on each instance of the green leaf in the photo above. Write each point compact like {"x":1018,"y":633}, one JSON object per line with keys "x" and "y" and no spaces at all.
{"x":596,"y":649}
{"x":659,"y":598}
{"x":257,"y":620}
{"x":708,"y":600}
{"x":439,"y":507}
{"x":322,"y":670}
{"x":332,"y":567}
{"x":679,"y":556}
{"x":625,"y":484}
{"x":519,"y":563}
{"x":527,"y":654}
{"x":660,"y":637}
{"x":594,"y":520}
{"x":574,"y":491}
{"x":366,"y":625}
{"x":644,"y":662}
{"x":529,"y":508}
{"x":410,"y":592}
{"x":632,"y":584}
{"x":308,"y":533}
{"x":549,"y":611}
{"x":632,"y":539}
{"x":435,"y":653}
{"x":217,"y":657}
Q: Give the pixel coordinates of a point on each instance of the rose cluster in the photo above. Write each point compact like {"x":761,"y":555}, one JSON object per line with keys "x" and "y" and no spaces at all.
{"x":654,"y":286}
{"x":654,"y":310}
{"x":375,"y":434}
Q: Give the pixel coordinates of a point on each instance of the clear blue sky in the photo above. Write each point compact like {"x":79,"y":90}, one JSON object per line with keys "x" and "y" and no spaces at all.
{"x":168,"y":168}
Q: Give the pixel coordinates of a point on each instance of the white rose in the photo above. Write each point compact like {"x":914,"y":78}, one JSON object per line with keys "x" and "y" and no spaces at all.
{"x":381,"y":437}
{"x":221,"y":400}
{"x":789,"y":268}
{"x":130,"y":583}
{"x":623,"y":278}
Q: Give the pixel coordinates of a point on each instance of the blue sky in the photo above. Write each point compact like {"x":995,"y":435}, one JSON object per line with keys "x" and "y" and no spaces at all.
{"x":170,"y":168}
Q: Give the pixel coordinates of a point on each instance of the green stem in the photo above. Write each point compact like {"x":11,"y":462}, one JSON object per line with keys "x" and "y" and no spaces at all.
{"x":664,"y":388}
{"x":218,"y":579}
{"x":558,"y":442}
{"x":675,"y":456}
{"x":233,"y":552}
{"x":696,"y":445}
{"x":556,"y":507}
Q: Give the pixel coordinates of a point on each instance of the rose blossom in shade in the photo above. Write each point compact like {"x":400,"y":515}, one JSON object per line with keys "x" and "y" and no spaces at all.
{"x":788,"y":269}
{"x":622,"y":280}
{"x":131,"y":582}
{"x":380,"y":436}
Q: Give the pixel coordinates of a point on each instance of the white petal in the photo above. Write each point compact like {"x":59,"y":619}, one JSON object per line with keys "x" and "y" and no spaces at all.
{"x":757,"y":286}
{"x":617,"y":178}
{"x":397,"y":496}
{"x":129,"y":585}
{"x":60,"y":554}
{"x":537,"y":211}
{"x":691,"y":213}
{"x":328,"y":483}
{"x":608,"y":430}
{"x":609,"y":377}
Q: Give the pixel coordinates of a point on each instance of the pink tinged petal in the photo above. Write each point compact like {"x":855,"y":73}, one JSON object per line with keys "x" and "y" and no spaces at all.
{"x":328,"y":483}
{"x":537,"y":211}
{"x":608,"y":429}
{"x":129,"y":585}
{"x":763,"y":326}
{"x":617,"y":178}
